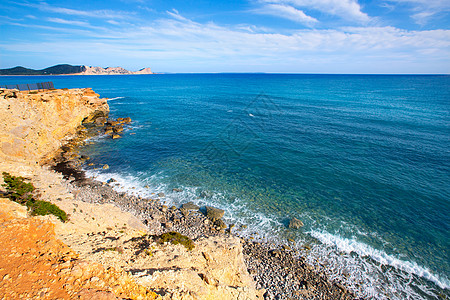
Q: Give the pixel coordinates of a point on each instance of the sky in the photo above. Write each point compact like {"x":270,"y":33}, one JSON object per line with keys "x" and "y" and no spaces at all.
{"x":279,"y":36}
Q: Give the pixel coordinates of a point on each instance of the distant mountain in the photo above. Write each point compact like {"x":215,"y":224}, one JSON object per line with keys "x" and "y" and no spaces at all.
{"x":55,"y":70}
{"x":74,"y":70}
{"x":113,"y":71}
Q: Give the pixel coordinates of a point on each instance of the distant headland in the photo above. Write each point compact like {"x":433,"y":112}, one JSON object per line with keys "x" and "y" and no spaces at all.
{"x":66,"y":69}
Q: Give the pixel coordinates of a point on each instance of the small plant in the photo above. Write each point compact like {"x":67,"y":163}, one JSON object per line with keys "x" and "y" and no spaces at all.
{"x":42,"y":208}
{"x":22,"y":192}
{"x":118,"y":249}
{"x":176,"y":238}
{"x":18,"y":190}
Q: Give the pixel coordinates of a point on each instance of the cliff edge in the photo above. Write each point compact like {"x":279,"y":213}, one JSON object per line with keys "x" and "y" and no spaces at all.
{"x":101,"y":252}
{"x":33,"y":125}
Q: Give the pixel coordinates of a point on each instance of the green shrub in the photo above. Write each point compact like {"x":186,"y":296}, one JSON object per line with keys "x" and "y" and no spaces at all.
{"x":42,"y":208}
{"x":18,"y":190}
{"x":22,"y":192}
{"x":176,"y":238}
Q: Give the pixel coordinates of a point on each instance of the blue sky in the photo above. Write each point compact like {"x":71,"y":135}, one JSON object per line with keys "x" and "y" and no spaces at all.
{"x":292,"y":36}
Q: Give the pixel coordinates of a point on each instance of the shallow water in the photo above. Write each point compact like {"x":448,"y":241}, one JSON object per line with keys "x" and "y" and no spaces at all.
{"x":363,"y":161}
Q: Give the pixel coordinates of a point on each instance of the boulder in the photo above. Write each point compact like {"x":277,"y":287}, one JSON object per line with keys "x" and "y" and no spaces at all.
{"x":190,"y":206}
{"x":220,"y":223}
{"x":295,"y":223}
{"x":117,"y":129}
{"x":214,"y":213}
{"x":100,"y":121}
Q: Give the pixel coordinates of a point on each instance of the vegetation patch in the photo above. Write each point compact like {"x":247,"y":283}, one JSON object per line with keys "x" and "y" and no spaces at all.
{"x":22,"y":192}
{"x":42,"y":208}
{"x":176,"y":238}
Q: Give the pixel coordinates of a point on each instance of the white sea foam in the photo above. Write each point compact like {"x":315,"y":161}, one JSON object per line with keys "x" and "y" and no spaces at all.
{"x":115,"y":98}
{"x":349,"y":246}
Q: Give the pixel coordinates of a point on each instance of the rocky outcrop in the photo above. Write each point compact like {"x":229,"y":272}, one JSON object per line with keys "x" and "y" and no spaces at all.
{"x":33,"y":125}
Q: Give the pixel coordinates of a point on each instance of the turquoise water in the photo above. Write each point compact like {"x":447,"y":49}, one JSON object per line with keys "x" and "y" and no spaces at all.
{"x":363,"y":161}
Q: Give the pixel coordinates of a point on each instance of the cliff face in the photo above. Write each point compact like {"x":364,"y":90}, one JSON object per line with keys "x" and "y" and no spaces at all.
{"x":33,"y":125}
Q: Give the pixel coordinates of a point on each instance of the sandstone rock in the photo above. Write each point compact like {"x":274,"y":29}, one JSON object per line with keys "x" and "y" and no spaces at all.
{"x":295,"y":223}
{"x":214,"y":213}
{"x":100,"y":121}
{"x":116,"y":136}
{"x":105,"y":167}
{"x":190,"y":206}
{"x":220,"y":223}
{"x":117,"y":129}
{"x":31,"y":130}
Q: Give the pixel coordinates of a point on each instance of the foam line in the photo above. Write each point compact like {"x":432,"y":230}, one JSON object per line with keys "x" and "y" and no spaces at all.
{"x":351,"y":245}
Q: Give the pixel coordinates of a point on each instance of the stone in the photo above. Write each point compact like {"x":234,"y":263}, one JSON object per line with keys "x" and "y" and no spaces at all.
{"x":190,"y":206}
{"x":295,"y":223}
{"x":220,"y":223}
{"x":177,"y":190}
{"x":214,"y":213}
{"x":161,"y":195}
{"x":112,"y":123}
{"x":275,"y":252}
{"x":105,"y":167}
{"x":100,"y":121}
{"x":117,"y":129}
{"x":116,"y":136}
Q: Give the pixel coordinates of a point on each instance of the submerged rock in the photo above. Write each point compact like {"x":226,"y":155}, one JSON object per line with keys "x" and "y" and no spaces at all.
{"x":295,"y":223}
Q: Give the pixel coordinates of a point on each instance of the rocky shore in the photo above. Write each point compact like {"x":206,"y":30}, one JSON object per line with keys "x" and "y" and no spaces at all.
{"x":122,"y":234}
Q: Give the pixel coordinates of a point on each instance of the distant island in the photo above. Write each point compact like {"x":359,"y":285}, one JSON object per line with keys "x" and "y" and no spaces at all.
{"x":66,"y":69}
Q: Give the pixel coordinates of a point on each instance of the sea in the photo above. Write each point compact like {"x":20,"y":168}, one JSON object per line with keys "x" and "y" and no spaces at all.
{"x":362,"y":160}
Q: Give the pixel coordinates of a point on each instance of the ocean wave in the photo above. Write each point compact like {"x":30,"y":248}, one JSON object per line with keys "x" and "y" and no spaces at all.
{"x":390,"y":269}
{"x":115,"y":98}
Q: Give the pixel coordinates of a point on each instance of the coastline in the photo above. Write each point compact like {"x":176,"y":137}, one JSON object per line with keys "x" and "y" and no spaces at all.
{"x":270,"y":272}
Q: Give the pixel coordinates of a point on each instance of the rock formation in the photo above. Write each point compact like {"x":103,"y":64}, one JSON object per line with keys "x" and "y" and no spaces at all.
{"x":34,"y":125}
{"x":113,"y":71}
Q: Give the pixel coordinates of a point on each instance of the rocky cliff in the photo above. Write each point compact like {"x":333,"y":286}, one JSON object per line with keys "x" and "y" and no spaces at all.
{"x":33,"y":125}
{"x":101,"y":252}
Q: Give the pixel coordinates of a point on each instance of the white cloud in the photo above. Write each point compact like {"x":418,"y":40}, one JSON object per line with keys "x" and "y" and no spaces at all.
{"x":287,"y":12}
{"x":346,"y":9}
{"x":177,"y":44}
{"x":180,"y":44}
{"x":68,"y":22}
{"x":101,"y":14}
{"x":425,"y":10}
